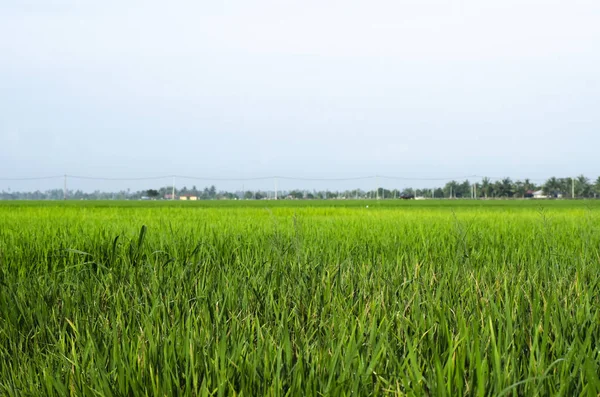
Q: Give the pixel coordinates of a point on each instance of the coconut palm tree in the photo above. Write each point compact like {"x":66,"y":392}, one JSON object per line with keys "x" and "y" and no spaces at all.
{"x":505,"y":187}
{"x":529,"y":185}
{"x":450,"y":189}
{"x":552,"y":187}
{"x":565,"y":186}
{"x":583,"y":188}
{"x":520,"y":189}
{"x":486,"y":185}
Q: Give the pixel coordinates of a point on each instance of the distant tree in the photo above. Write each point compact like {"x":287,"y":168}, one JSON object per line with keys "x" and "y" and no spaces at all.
{"x":486,"y":187}
{"x":528,"y":185}
{"x":163,"y":191}
{"x":583,"y":188}
{"x":450,"y":189}
{"x":205,"y":194}
{"x":497,"y":189}
{"x":385,"y":193}
{"x":464,"y":189}
{"x":519,"y":189}
{"x":565,"y":186}
{"x":296,"y":194}
{"x":55,"y":194}
{"x":227,"y":195}
{"x":552,"y":187}
{"x":505,"y":188}
{"x":408,"y":192}
{"x":152,"y":193}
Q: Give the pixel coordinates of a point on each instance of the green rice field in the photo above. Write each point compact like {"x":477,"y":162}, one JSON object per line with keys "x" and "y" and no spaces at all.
{"x":300,"y":298}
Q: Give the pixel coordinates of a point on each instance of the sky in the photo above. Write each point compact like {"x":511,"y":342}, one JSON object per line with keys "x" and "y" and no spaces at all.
{"x":301,"y":88}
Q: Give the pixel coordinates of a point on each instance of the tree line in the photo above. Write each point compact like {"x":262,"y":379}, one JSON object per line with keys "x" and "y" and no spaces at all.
{"x":579,"y":187}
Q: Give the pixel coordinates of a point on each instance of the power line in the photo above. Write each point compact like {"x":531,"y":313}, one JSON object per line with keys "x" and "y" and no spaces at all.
{"x":358,"y":178}
{"x":426,"y":179}
{"x":261,"y":178}
{"x":35,"y":178}
{"x":95,"y":178}
{"x":203,"y":178}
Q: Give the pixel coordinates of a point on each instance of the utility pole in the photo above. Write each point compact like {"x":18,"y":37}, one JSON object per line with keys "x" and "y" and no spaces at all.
{"x":65,"y":189}
{"x":572,"y":187}
{"x":275,"y":188}
{"x":173,"y":189}
{"x":377,"y":186}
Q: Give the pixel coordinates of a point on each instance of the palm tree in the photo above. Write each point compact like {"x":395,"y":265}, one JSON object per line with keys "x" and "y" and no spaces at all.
{"x":450,"y":189}
{"x":464,"y":189}
{"x":505,"y":187}
{"x":582,"y":186}
{"x":485,"y":186}
{"x":520,"y":189}
{"x":565,"y":186}
{"x":552,"y":186}
{"x":529,"y":185}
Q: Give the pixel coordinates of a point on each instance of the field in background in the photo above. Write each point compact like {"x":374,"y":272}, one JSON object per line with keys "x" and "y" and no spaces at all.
{"x":301,"y":297}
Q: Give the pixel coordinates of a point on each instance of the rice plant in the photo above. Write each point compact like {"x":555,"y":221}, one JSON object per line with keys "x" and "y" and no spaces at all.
{"x":300,"y":298}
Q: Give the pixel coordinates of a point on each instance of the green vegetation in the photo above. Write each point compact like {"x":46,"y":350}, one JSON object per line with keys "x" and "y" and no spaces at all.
{"x":300,"y":298}
{"x":579,"y":187}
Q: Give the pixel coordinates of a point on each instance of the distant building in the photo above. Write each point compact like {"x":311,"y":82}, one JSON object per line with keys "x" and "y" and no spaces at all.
{"x":186,"y":197}
{"x":168,"y":196}
{"x":539,"y":194}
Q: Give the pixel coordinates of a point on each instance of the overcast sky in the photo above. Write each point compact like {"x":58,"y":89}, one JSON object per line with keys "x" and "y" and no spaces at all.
{"x":306,"y":88}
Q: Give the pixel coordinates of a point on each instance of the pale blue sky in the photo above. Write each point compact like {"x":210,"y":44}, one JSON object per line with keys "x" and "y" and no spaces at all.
{"x":418,"y":88}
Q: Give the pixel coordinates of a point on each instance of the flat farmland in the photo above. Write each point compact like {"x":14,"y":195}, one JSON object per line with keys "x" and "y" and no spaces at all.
{"x":439,"y":298}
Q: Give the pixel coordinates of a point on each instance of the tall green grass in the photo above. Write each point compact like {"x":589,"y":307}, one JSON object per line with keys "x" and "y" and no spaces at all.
{"x":318,"y":299}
